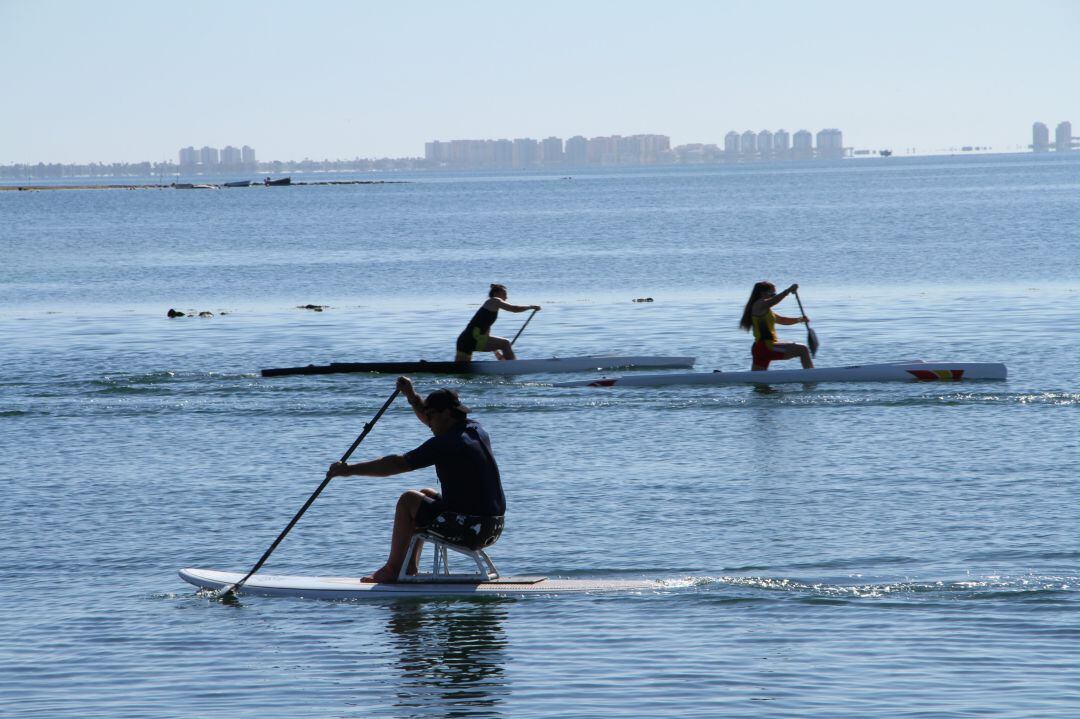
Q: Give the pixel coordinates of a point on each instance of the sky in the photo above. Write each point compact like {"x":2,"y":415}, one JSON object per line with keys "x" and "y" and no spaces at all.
{"x":135,"y":80}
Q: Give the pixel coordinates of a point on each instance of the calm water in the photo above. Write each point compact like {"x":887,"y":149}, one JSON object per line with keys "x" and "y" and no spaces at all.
{"x":831,"y":551}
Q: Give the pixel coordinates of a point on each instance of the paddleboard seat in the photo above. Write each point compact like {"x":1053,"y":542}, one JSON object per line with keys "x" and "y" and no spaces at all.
{"x":440,"y":570}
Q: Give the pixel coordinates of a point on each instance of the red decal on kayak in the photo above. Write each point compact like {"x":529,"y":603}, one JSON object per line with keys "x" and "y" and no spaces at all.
{"x":603,"y":383}
{"x":934,"y":375}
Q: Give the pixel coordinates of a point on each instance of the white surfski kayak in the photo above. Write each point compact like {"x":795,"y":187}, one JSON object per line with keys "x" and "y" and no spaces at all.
{"x":589,"y":363}
{"x":918,"y":371}
{"x":271,"y":585}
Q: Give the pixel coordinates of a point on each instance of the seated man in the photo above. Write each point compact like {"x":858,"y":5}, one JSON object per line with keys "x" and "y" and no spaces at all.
{"x":469,"y":510}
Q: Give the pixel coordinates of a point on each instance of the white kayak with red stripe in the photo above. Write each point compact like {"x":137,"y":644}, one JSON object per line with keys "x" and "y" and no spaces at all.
{"x":908,"y":371}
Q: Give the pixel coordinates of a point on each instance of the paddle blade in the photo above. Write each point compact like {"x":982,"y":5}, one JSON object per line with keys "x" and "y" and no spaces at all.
{"x":812,"y":341}
{"x":226,"y":594}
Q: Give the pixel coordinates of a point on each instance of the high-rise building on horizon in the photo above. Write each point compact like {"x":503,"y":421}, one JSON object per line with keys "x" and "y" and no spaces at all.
{"x":641,"y":149}
{"x":748,"y":144}
{"x":576,"y":151}
{"x":802,"y":145}
{"x":526,"y":152}
{"x":247,"y":156}
{"x":732,"y":145}
{"x":231,"y":156}
{"x":551,"y":151}
{"x":765,"y":144}
{"x":781,"y":144}
{"x":208,"y":156}
{"x":1063,"y":140}
{"x":460,"y":152}
{"x":437,"y":153}
{"x":502,"y":153}
{"x":830,"y":144}
{"x":600,"y":151}
{"x":1040,"y":137}
{"x":188,"y":157}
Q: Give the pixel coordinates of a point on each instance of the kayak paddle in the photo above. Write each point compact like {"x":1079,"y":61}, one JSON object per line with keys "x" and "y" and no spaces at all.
{"x":811,"y":336}
{"x":232,"y":589}
{"x":523,"y":328}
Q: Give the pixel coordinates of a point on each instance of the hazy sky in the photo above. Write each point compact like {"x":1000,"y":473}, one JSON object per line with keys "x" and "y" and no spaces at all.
{"x":135,"y":80}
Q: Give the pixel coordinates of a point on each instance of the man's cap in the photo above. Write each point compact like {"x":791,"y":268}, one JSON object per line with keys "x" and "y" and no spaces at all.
{"x":445,"y":399}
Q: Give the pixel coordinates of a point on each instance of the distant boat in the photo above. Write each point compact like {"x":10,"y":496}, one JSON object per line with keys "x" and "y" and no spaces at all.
{"x":189,"y":186}
{"x":239,"y":183}
{"x":885,"y":153}
{"x":277,"y":183}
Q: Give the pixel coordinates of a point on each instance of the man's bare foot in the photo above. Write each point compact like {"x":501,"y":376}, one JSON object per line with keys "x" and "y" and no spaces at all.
{"x":381,"y":575}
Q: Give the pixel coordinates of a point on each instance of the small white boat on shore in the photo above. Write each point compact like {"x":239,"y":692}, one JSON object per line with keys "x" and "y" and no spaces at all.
{"x":907,"y":371}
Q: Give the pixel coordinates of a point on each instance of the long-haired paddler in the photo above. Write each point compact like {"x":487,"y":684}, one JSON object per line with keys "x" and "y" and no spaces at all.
{"x":759,"y":318}
{"x":476,"y":337}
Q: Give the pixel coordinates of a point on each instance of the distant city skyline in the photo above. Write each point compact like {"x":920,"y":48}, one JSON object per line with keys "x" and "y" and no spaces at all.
{"x":113,"y":81}
{"x":648,"y":149}
{"x":527,"y":153}
{"x":228,"y":158}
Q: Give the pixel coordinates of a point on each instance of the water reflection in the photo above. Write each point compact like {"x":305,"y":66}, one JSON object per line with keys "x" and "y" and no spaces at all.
{"x":451,"y":655}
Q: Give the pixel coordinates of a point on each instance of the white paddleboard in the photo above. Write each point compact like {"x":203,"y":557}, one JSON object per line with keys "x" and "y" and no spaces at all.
{"x":272,"y":585}
{"x":890,"y":372}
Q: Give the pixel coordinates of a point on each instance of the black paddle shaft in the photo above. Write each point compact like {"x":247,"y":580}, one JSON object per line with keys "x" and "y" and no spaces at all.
{"x":811,"y":336}
{"x":523,"y":328}
{"x":314,"y":495}
{"x":801,"y":310}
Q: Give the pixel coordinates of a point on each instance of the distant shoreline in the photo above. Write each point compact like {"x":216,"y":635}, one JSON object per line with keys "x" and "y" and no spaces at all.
{"x":35,"y":188}
{"x":203,"y":180}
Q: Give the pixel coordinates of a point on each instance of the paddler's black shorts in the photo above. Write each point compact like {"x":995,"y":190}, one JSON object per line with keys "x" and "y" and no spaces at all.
{"x":471,"y":341}
{"x":472,"y":531}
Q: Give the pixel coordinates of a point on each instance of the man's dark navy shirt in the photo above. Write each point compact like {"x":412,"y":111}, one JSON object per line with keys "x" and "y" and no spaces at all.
{"x":466,"y":469}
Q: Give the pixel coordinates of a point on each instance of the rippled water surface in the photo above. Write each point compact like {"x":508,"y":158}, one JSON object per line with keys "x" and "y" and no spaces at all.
{"x":845,"y":550}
